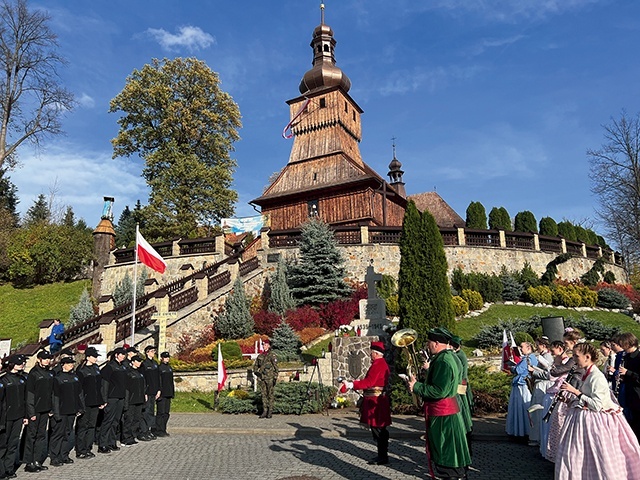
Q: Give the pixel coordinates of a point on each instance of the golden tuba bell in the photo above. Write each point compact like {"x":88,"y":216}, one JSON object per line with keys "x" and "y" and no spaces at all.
{"x":405,"y":338}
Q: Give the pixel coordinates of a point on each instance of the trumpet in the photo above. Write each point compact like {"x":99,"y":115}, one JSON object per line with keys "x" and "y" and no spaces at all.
{"x":556,"y":398}
{"x":405,"y":338}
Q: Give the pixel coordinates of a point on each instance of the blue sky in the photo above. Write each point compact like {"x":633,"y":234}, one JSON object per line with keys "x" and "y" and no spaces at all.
{"x":490,"y":101}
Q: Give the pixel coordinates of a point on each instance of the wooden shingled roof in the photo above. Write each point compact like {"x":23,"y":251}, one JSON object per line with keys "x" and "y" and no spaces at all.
{"x":445,"y":215}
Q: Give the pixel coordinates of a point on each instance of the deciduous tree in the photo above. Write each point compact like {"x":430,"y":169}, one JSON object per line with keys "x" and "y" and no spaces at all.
{"x":177,"y":118}
{"x":32,"y":102}
{"x":615,"y":180}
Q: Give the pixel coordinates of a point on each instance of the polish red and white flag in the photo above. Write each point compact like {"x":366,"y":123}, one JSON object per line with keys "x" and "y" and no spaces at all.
{"x":222,"y":372}
{"x":148,"y":256}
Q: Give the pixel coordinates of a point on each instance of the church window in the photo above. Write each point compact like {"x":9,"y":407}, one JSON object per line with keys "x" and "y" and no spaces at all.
{"x":315,"y":176}
{"x":346,"y":107}
{"x":326,"y":48}
{"x":312,"y":206}
{"x":354,"y":115}
{"x":323,"y":103}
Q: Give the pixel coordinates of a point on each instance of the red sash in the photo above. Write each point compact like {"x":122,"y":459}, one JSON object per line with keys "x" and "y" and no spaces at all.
{"x":441,"y":408}
{"x":438,"y":408}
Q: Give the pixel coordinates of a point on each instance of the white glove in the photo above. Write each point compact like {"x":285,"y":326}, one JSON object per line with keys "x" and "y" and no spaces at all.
{"x":349,"y":385}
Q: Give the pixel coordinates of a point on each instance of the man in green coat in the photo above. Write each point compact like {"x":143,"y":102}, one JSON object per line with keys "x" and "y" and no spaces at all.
{"x":447,"y":447}
{"x":266,"y":369}
{"x":465,"y":398}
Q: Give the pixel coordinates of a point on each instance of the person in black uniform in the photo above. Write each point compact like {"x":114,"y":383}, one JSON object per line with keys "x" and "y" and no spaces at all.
{"x":91,"y":382}
{"x":131,"y":352}
{"x":167,"y":392}
{"x":134,"y":402}
{"x":68,"y":403}
{"x":39,"y":408}
{"x":15,"y":387}
{"x":64,"y":353}
{"x":114,"y":381}
{"x":152,"y":377}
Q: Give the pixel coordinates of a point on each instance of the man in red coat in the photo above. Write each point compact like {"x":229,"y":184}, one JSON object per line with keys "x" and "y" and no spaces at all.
{"x":376,"y":410}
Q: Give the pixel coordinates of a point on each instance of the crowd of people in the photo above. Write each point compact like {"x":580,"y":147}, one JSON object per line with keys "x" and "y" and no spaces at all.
{"x":55,"y":409}
{"x":578,"y":405}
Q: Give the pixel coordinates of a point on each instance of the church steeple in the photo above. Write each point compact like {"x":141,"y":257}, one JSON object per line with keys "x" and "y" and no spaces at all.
{"x":324,"y":73}
{"x":396,"y":172}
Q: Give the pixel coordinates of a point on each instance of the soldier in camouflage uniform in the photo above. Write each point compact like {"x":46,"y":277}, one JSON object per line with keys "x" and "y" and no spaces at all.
{"x":266,"y":369}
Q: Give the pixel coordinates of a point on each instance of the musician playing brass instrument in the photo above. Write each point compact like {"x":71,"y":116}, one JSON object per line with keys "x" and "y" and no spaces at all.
{"x":447,"y":448}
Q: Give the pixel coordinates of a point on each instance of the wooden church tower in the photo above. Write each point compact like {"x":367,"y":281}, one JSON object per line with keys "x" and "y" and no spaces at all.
{"x":325,"y":175}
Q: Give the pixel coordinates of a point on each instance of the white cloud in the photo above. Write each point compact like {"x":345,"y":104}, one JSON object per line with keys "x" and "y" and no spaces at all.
{"x":487,"y":43}
{"x":79,"y":178}
{"x":86,"y":101}
{"x":189,"y":37}
{"x":401,"y":82}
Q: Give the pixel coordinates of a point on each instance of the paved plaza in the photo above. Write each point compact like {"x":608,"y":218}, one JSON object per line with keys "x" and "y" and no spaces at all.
{"x":289,"y":447}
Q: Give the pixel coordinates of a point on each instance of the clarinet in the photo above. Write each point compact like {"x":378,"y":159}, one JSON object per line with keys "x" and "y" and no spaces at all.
{"x":616,"y":389}
{"x":557,"y":396}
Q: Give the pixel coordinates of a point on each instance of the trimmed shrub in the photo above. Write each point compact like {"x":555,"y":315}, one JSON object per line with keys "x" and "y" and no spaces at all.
{"x":592,"y":329}
{"x":527,"y":276}
{"x":627,"y":290}
{"x":490,"y":390}
{"x":265,"y":321}
{"x":566,"y":295}
{"x":550,"y":273}
{"x":336,"y":313}
{"x":488,"y":285}
{"x":589,"y":297}
{"x":567,"y":231}
{"x":520,"y":337}
{"x":392,"y":306}
{"x":301,"y":397}
{"x":609,"y":277}
{"x":460,"y":306}
{"x":476,"y":216}
{"x":303,"y":317}
{"x":474,"y":299}
{"x":548,"y":226}
{"x":609,"y":298}
{"x":230,"y":351}
{"x":309,"y":334}
{"x":499,"y":219}
{"x":490,"y":336}
{"x":541,"y":294}
{"x":525,"y":221}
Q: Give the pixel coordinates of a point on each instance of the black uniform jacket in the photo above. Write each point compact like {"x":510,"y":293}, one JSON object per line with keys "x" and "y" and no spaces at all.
{"x":15,"y":390}
{"x":91,"y":382}
{"x":114,"y":380}
{"x":136,"y":387}
{"x":39,"y":391}
{"x":167,"y":387}
{"x":152,"y":376}
{"x":67,"y":395}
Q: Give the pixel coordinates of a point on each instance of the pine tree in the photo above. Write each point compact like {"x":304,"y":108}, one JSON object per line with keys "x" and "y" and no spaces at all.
{"x":125,"y":229}
{"x":281,"y":300}
{"x":424,"y":294}
{"x":499,"y":219}
{"x":476,"y":216}
{"x":236,"y":320}
{"x":285,"y":341}
{"x":9,"y":198}
{"x":525,"y":221}
{"x":39,"y":211}
{"x":82,"y":311}
{"x":319,"y":275}
{"x":123,"y":293}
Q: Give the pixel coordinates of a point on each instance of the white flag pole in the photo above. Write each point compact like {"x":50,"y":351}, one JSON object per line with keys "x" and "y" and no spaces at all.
{"x":135,"y":288}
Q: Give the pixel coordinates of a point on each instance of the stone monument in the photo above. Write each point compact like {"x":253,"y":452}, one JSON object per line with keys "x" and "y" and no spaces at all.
{"x":373,"y":312}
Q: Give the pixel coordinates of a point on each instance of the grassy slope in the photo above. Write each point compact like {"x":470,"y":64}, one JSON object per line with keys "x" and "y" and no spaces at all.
{"x":468,"y":328}
{"x":22,"y":310}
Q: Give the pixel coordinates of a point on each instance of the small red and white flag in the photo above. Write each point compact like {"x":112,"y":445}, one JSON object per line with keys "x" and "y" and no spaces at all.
{"x":510,"y":355}
{"x":222,"y":372}
{"x":147,"y":254}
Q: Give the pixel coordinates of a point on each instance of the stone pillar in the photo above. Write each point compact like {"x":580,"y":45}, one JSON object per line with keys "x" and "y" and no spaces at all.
{"x":202,"y":284}
{"x":503,"y":239}
{"x":583,"y":247}
{"x":461,"y":239}
{"x":220,"y":244}
{"x":108,"y":332}
{"x":536,"y":242}
{"x":599,"y":252}
{"x":45,"y":329}
{"x":564,"y":246}
{"x":234,"y":269}
{"x":106,"y":304}
{"x":175,"y":248}
{"x":364,"y":234}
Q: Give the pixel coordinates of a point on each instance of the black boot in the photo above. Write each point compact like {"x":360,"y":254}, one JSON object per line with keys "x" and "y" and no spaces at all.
{"x":383,"y":447}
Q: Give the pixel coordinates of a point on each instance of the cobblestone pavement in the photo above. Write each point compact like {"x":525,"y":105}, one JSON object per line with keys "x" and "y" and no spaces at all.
{"x":308,"y":447}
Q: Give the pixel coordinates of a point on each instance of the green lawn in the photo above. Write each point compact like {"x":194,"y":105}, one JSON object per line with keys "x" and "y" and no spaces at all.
{"x":468,"y":328}
{"x":22,"y":310}
{"x":193,"y":402}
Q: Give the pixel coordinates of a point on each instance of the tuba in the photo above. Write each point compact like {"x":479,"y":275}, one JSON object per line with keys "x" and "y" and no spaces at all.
{"x":405,"y":338}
